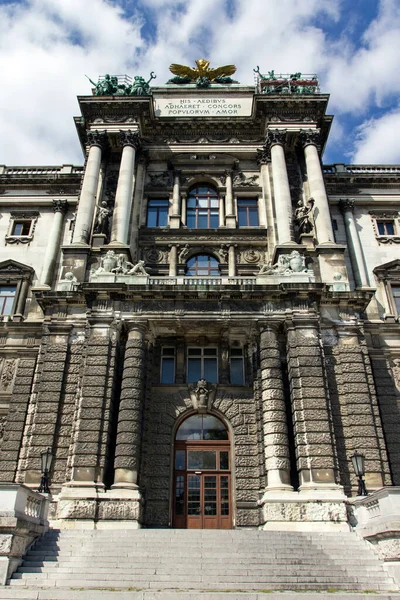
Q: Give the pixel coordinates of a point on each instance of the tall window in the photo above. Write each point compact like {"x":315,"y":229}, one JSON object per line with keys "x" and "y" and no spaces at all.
{"x":396,"y":297}
{"x":202,"y":208}
{"x":157,"y":212}
{"x":202,"y":363}
{"x":236,"y":364}
{"x":247,"y":212}
{"x":202,"y":265}
{"x":7,"y":297}
{"x":167,"y":365}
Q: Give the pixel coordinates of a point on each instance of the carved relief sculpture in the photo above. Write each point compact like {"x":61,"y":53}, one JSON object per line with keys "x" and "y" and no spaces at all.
{"x":303,"y":216}
{"x":202,"y":395}
{"x":287,"y":265}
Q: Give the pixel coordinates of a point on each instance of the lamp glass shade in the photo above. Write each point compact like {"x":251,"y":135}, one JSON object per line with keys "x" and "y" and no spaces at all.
{"x":46,"y":458}
{"x":358,"y":461}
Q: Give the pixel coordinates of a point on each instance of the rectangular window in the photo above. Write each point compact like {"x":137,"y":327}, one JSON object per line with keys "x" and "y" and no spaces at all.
{"x":385,"y":227}
{"x":236,"y":364}
{"x":396,"y":297}
{"x":7,"y":297}
{"x":202,"y":364}
{"x":20,"y":228}
{"x":157,"y":212}
{"x":247,"y":212}
{"x":168,"y":365}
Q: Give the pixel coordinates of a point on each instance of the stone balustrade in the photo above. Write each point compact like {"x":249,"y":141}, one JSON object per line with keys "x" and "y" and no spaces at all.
{"x":23,"y":518}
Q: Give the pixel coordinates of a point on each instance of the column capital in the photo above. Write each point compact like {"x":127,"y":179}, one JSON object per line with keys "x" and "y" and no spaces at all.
{"x":133,"y":327}
{"x":97,"y":138}
{"x":60,"y":206}
{"x":275,"y":137}
{"x":272,"y":327}
{"x":310,"y":137}
{"x":130,"y":138}
{"x":346,"y":205}
{"x":263,"y":156}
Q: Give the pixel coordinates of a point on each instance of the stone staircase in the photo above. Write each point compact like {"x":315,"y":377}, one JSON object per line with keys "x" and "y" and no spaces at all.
{"x":202,"y":563}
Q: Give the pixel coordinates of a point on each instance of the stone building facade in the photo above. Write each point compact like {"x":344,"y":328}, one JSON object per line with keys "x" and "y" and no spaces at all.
{"x":202,"y":322}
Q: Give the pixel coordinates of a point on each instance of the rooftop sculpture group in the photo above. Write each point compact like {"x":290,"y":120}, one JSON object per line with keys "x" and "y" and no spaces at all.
{"x":202,"y":75}
{"x":109,"y":86}
{"x":294,"y":83}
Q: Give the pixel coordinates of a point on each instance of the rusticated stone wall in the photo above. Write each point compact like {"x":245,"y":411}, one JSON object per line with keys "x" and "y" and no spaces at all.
{"x":312,"y":424}
{"x":355,"y":410}
{"x":163,"y":408}
{"x":16,"y":419}
{"x":389,"y":404}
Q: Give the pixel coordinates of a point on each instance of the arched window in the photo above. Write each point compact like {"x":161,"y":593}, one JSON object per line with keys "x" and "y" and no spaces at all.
{"x":202,"y":427}
{"x":202,"y":265}
{"x":202,"y":208}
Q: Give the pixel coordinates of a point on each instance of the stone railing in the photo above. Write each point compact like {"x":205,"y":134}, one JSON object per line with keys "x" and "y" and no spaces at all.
{"x":157,"y":281}
{"x":23,"y":518}
{"x":36,"y":171}
{"x":376,"y":518}
{"x":362,"y":169}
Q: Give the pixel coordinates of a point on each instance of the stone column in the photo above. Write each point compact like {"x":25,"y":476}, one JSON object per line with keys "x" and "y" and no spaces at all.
{"x":173,"y":261}
{"x":60,"y":208}
{"x":275,"y":141}
{"x":21,"y":301}
{"x":130,"y":141}
{"x":175,"y":217}
{"x":96,"y":140}
{"x":356,"y":254}
{"x":276,"y":443}
{"x":232,"y":261}
{"x":127,"y":452}
{"x":230,"y":218}
{"x":310,"y":140}
{"x":137,"y":205}
{"x":263,"y":160}
{"x":311,"y":418}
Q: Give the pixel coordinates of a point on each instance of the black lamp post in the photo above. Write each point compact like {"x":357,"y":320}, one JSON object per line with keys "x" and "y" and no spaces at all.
{"x":358,"y":461}
{"x":46,"y":459}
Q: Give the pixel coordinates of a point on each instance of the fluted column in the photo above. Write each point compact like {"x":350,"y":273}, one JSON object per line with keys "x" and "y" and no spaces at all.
{"x":130,"y":141}
{"x":175,"y":217}
{"x":231,"y":261}
{"x":276,"y":443}
{"x":356,"y":254}
{"x":282,"y":200}
{"x":173,"y":261}
{"x":230,"y":218}
{"x":97,"y":141}
{"x":127,"y":452}
{"x":322,"y":217}
{"x":266,"y":214}
{"x":60,"y":208}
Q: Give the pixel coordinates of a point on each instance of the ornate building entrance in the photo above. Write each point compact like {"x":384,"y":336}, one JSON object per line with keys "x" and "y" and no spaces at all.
{"x":202,"y":475}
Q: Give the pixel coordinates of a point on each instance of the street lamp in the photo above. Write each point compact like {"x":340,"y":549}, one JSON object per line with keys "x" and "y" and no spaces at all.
{"x":358,"y":461}
{"x":46,"y":459}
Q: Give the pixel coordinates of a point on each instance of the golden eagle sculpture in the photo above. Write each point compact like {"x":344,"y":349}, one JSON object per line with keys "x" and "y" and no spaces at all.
{"x":202,"y":71}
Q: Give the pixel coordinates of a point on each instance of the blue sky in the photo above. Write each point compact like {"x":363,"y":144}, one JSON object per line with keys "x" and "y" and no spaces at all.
{"x":47,"y":46}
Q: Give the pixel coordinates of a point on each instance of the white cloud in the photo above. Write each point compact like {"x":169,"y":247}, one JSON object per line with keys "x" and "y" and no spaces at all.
{"x":46,"y":47}
{"x":377,"y":140}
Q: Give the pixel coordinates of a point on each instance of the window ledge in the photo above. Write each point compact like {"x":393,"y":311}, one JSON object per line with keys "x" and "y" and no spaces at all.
{"x":18,"y":239}
{"x":388,"y":239}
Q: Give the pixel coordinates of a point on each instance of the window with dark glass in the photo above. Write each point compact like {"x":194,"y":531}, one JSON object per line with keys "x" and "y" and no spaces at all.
{"x":7,"y":298}
{"x":203,"y":427}
{"x":168,"y":365}
{"x":157,"y":212}
{"x":202,"y":265}
{"x":385,"y":227}
{"x":20,"y":228}
{"x":202,"y":209}
{"x":247,"y":212}
{"x":202,"y":363}
{"x":236,"y":364}
{"x":396,"y":297}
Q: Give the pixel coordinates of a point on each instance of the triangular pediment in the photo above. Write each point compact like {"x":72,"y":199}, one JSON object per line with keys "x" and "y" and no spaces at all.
{"x":390,"y":270}
{"x":11,"y":269}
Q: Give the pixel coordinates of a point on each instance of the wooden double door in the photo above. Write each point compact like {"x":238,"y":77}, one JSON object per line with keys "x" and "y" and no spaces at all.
{"x":202,"y":486}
